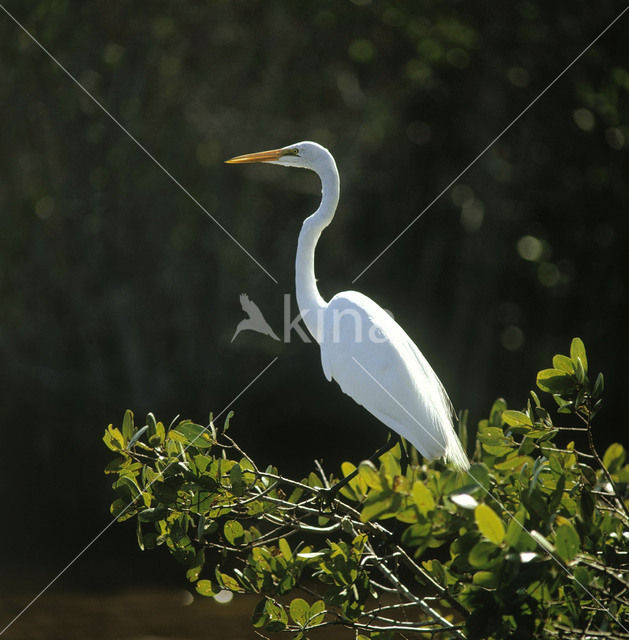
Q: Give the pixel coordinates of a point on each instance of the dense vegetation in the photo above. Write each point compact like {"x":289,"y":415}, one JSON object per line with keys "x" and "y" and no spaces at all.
{"x":532,"y":542}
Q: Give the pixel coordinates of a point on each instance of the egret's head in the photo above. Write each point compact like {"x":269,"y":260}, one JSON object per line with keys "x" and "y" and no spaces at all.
{"x":305,"y":155}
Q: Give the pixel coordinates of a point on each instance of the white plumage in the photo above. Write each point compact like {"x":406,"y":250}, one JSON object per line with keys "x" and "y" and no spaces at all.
{"x":362,"y":347}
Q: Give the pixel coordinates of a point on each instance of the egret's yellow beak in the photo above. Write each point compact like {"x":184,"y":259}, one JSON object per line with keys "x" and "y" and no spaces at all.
{"x":261,"y":156}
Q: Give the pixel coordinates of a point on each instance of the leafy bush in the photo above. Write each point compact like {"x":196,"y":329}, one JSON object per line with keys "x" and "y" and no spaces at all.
{"x":532,"y":542}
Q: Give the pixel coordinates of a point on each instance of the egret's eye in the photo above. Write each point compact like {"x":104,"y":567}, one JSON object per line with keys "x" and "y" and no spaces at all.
{"x":291,"y":152}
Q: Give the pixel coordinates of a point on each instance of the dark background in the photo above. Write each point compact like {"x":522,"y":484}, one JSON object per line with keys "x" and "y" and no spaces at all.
{"x":117,"y":291}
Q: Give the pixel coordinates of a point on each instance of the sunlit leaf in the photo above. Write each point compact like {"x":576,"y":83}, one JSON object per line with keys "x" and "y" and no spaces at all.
{"x":567,"y":542}
{"x":192,"y":434}
{"x":516,"y":418}
{"x":127,"y":425}
{"x":484,"y":555}
{"x":614,"y":457}
{"x":317,"y":612}
{"x":577,"y":352}
{"x":487,"y":579}
{"x":515,"y":528}
{"x":423,"y":498}
{"x":489,"y":524}
{"x":378,"y":504}
{"x":233,"y":531}
{"x":205,"y":588}
{"x":299,"y":611}
{"x":285,"y":549}
{"x":563,"y":363}
{"x":369,"y":475}
{"x":542,"y":541}
{"x":555,"y":381}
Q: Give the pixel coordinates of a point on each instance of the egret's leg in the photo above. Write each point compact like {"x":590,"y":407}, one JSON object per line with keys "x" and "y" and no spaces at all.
{"x":404,"y":458}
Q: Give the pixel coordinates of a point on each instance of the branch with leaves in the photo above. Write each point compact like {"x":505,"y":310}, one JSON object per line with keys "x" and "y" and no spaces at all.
{"x":533,"y":539}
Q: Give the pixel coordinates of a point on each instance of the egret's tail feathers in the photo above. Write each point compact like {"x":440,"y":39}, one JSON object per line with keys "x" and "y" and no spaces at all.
{"x":455,"y":454}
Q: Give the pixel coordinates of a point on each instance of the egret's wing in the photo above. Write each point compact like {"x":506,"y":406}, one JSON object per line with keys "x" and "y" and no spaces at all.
{"x":378,"y":365}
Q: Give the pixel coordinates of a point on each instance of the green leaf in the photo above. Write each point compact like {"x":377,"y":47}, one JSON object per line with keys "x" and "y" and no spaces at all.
{"x":417,"y":534}
{"x":229,"y":583}
{"x":516,"y":418}
{"x":113,"y":438}
{"x":153,"y":514}
{"x":285,"y":549}
{"x":276,"y":616}
{"x":236,"y":480}
{"x":436,"y":570}
{"x":582,"y":581}
{"x":137,"y":435}
{"x":542,"y":541}
{"x":299,"y":611}
{"x":317,"y":612}
{"x":127,"y":425}
{"x":555,"y":381}
{"x":495,"y":412}
{"x":515,"y":528}
{"x":259,"y":616}
{"x":492,"y":435}
{"x":484,"y":555}
{"x":512,"y":463}
{"x":205,"y":588}
{"x":486,"y":579}
{"x":489,"y":524}
{"x":614,"y":457}
{"x":480,"y":473}
{"x":157,"y":433}
{"x":356,"y":489}
{"x":423,"y":498}
{"x":197,"y":565}
{"x":378,"y":504}
{"x":192,"y":434}
{"x":577,"y":352}
{"x":599,"y":386}
{"x":234,"y":532}
{"x":563,"y":363}
{"x":567,"y":542}
{"x":498,"y":450}
{"x":369,"y":474}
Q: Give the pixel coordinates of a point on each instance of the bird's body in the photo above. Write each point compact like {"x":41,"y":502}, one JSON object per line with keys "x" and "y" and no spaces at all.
{"x":362,"y":347}
{"x":382,"y":369}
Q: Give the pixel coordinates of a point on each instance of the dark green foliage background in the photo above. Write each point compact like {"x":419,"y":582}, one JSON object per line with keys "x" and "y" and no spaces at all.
{"x":118,"y":291}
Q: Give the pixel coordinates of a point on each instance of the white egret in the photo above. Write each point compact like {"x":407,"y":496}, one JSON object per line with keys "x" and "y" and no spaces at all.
{"x":362,"y":347}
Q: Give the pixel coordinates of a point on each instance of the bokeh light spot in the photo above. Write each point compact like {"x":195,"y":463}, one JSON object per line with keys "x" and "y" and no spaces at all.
{"x":548,"y":274}
{"x":512,"y":338}
{"x":530,"y":248}
{"x":472,"y":214}
{"x":45,"y":207}
{"x":584,"y":119}
{"x":224,"y":596}
{"x":461,"y":194}
{"x":518,"y":77}
{"x":362,"y":50}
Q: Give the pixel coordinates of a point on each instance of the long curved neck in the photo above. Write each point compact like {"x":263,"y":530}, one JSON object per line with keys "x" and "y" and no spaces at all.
{"x":309,"y":300}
